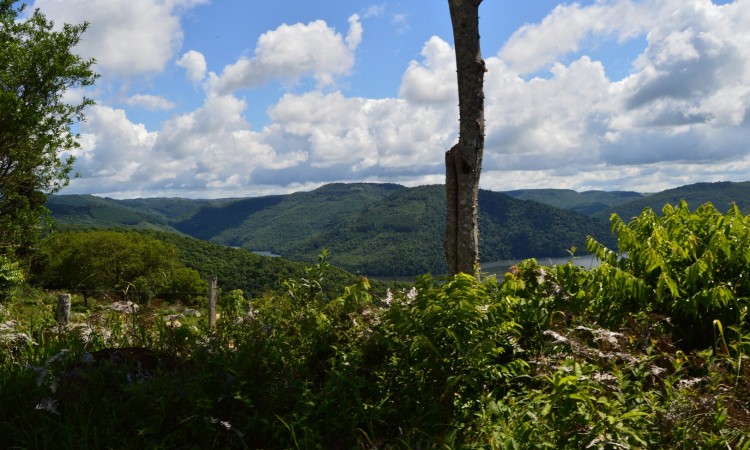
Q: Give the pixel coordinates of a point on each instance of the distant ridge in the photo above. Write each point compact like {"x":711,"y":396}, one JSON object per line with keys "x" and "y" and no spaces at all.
{"x":721,"y":194}
{"x":387,"y":229}
{"x":587,"y":202}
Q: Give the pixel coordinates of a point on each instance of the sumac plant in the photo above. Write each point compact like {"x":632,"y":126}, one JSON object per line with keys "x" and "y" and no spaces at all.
{"x":448,"y":347}
{"x":689,"y":266}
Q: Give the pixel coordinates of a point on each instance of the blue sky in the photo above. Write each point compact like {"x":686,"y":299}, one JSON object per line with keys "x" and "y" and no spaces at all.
{"x":228,"y":98}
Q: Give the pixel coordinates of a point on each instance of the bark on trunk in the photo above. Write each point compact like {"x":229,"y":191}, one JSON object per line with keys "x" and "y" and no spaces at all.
{"x":463,"y":162}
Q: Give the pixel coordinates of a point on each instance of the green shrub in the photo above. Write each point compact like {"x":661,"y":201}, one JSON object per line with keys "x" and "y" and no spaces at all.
{"x":691,"y":267}
{"x":115,"y":263}
{"x":11,"y":276}
{"x":446,"y":347}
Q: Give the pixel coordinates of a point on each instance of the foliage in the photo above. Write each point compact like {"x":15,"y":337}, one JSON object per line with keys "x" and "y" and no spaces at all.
{"x":97,"y":263}
{"x":37,"y":67}
{"x":448,"y":347}
{"x":370,"y":229}
{"x":546,"y":357}
{"x":689,"y":266}
{"x":237,"y":268}
{"x":11,"y":276}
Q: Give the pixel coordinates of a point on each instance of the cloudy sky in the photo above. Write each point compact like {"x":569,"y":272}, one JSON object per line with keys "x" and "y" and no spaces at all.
{"x":228,"y":98}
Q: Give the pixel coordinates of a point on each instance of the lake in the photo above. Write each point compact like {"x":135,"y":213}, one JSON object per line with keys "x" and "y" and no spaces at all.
{"x":500,"y":267}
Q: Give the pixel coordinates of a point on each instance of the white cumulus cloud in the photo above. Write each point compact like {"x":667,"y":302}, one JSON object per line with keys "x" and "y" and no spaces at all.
{"x":553,"y":117}
{"x":292,"y":51}
{"x":127,"y":37}
{"x":434,"y":79}
{"x":194,"y":64}
{"x":150,"y":102}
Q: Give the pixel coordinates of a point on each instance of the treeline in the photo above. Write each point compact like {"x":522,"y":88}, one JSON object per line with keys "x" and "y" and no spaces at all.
{"x":144,"y":265}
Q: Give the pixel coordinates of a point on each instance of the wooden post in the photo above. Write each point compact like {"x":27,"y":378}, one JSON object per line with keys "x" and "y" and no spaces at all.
{"x":62,"y":314}
{"x":212,"y":302}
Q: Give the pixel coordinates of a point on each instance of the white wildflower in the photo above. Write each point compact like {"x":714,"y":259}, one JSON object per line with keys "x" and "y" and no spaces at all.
{"x":388,"y":298}
{"x":127,"y":307}
{"x":49,"y":405}
{"x":190,"y":312}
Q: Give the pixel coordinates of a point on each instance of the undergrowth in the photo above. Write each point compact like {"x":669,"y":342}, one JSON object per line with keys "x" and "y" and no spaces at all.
{"x":648,"y":350}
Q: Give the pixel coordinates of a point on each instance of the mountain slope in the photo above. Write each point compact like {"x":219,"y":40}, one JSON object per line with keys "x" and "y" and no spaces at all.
{"x":91,"y":211}
{"x":278,"y":223}
{"x":386,"y":229}
{"x":587,"y":202}
{"x":375,"y":229}
{"x":721,"y":194}
{"x":402,"y":234}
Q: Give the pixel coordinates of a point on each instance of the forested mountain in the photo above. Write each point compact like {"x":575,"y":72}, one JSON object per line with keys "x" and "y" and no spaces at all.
{"x":587,"y":202}
{"x":720,"y":194}
{"x":92,"y":211}
{"x":387,"y":229}
{"x":374,"y":229}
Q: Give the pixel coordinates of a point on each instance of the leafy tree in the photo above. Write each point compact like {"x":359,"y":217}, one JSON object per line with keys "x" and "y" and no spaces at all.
{"x":37,"y":67}
{"x":112,"y":261}
{"x":463,"y":162}
{"x":186,"y":285}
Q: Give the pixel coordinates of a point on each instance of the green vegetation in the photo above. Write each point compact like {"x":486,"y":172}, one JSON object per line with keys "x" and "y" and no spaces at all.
{"x":237,"y":268}
{"x":648,"y":350}
{"x":37,"y":67}
{"x":11,"y":276}
{"x":371,"y":229}
{"x":126,"y":264}
{"x":83,"y":211}
{"x":722,"y":194}
{"x":385,"y":229}
{"x":146,"y":264}
{"x":587,"y":203}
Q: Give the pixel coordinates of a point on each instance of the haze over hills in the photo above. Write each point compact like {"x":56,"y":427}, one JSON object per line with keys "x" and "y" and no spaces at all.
{"x":387,"y":229}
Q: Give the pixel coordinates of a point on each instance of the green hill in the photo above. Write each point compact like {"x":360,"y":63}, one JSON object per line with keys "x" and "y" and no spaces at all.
{"x":388,"y":229}
{"x":91,"y":211}
{"x":374,"y":229}
{"x":403,"y":233}
{"x":171,"y":209}
{"x":720,"y":194}
{"x":238,"y":268}
{"x":279,"y":222}
{"x":587,"y":202}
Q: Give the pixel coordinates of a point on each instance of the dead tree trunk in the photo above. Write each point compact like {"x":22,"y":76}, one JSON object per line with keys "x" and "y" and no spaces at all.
{"x":463,"y":162}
